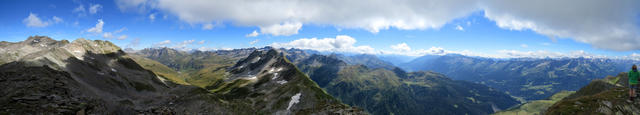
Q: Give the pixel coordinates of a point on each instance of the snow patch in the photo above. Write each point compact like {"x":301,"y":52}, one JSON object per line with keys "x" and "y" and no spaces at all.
{"x":275,"y":76}
{"x":255,"y":60}
{"x":100,"y":73}
{"x":281,"y":82}
{"x":294,"y":99}
{"x":36,"y":41}
{"x":43,"y":45}
{"x":252,"y":77}
{"x":114,"y":70}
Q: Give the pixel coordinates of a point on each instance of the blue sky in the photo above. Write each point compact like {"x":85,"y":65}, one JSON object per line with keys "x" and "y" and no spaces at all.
{"x":480,"y":32}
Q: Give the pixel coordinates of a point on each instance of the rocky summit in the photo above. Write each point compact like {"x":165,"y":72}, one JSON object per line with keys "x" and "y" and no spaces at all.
{"x":42,"y":75}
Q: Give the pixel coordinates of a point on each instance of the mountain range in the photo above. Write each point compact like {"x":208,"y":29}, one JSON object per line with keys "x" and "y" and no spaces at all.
{"x":359,"y":80}
{"x":528,"y":78}
{"x":42,"y":75}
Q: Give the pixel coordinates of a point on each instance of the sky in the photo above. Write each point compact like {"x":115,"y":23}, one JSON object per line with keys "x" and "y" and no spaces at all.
{"x":487,"y":28}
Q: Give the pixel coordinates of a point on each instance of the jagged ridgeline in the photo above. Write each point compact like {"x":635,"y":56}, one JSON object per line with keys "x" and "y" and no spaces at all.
{"x":369,"y":83}
{"x":394,"y":91}
{"x":42,"y":75}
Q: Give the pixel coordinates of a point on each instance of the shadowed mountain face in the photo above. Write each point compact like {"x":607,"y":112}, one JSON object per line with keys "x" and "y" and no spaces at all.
{"x":531,"y":79}
{"x":41,"y":75}
{"x":384,"y":91}
{"x":87,"y":76}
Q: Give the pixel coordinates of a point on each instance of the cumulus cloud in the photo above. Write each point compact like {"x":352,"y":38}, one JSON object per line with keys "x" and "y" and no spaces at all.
{"x":404,"y":49}
{"x":524,"y":45}
{"x":80,"y":10}
{"x":162,"y":43}
{"x":57,"y":19}
{"x":201,"y":42}
{"x":152,"y":17}
{"x":34,"y":21}
{"x":340,"y":43}
{"x":254,"y":41}
{"x":458,"y":27}
{"x":345,"y":44}
{"x":110,"y":35}
{"x":373,"y":16}
{"x":545,"y":54}
{"x":97,"y":28}
{"x":285,"y":29}
{"x":93,"y":9}
{"x":183,"y":44}
{"x":604,"y":24}
{"x":252,"y":34}
{"x":401,"y":47}
{"x":137,"y":5}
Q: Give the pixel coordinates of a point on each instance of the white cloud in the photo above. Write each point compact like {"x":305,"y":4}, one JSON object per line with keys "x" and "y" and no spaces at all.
{"x":524,"y":45}
{"x":97,"y":28}
{"x":546,"y":44}
{"x":418,"y":52}
{"x":95,"y":8}
{"x":458,"y":27}
{"x":401,"y":47}
{"x":345,"y":44}
{"x":205,"y":49}
{"x":122,"y":37}
{"x":57,"y":19}
{"x":201,"y":42}
{"x":183,"y":44}
{"x":340,"y":43}
{"x":604,"y":24}
{"x":137,"y":5}
{"x":545,"y":54}
{"x":34,"y":21}
{"x":252,"y":34}
{"x":110,"y":35}
{"x":372,"y":16}
{"x":162,"y":43}
{"x":120,"y":30}
{"x":285,"y":29}
{"x":254,"y":41}
{"x":152,"y":17}
{"x":80,"y":10}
